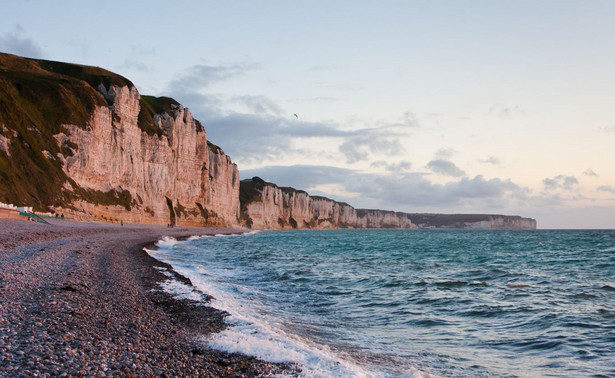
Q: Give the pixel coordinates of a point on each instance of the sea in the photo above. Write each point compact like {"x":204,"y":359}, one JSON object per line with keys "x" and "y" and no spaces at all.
{"x":409,"y":303}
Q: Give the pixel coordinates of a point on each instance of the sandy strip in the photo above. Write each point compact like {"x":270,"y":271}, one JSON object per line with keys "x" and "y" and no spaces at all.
{"x":81,"y":298}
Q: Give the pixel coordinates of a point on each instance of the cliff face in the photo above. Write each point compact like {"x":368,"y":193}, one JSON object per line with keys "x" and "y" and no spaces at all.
{"x":473,"y":221}
{"x":267,"y":206}
{"x":172,"y":178}
{"x":126,"y":158}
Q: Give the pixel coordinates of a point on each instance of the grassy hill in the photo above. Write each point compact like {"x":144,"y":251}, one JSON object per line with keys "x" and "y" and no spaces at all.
{"x":37,"y":97}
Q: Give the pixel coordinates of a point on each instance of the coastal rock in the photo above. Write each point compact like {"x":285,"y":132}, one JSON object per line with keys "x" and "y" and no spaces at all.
{"x":267,"y":206}
{"x":473,"y":221}
{"x":172,"y":177}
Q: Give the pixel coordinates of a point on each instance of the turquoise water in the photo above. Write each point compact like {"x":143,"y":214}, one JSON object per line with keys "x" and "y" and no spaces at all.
{"x":409,"y":303}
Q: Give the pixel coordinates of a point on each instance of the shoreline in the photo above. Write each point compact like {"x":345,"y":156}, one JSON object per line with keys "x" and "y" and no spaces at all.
{"x":81,"y":298}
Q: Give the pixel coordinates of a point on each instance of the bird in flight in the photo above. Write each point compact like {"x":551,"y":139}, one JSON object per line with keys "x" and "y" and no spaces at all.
{"x":296,"y":116}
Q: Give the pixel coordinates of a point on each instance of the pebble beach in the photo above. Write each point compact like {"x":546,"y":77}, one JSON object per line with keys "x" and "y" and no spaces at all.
{"x":84,"y":299}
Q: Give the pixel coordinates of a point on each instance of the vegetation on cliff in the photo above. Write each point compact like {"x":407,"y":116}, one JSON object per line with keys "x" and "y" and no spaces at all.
{"x":38,"y":97}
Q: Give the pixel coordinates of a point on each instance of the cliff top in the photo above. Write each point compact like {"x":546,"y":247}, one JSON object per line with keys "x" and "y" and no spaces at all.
{"x":90,"y":74}
{"x":38,"y":97}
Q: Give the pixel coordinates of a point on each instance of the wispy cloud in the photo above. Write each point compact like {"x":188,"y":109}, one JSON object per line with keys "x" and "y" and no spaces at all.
{"x":201,"y":76}
{"x":408,"y":119}
{"x":491,"y":160}
{"x":560,"y":182}
{"x":445,"y":153}
{"x":367,"y":142}
{"x":506,"y":112}
{"x":133,"y":64}
{"x":590,"y":172}
{"x":445,"y":167}
{"x":258,"y":104}
{"x":15,"y":42}
{"x":607,"y":188}
{"x":403,"y":166}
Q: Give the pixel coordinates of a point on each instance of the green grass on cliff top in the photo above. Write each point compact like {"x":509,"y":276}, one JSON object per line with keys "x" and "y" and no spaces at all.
{"x":37,"y":97}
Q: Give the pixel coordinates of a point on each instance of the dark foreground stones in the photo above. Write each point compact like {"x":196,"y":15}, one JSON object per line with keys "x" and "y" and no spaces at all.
{"x":79,"y":299}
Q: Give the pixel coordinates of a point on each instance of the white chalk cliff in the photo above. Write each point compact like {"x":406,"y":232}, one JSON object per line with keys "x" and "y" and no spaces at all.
{"x":267,"y":206}
{"x":174,"y":175}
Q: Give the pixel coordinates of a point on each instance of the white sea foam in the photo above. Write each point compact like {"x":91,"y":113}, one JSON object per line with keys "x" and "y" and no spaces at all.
{"x":166,"y":242}
{"x":181,"y":291}
{"x":164,"y":271}
{"x":253,"y":330}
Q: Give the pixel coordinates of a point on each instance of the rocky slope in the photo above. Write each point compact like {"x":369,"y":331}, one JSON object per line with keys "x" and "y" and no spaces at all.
{"x":106,"y":151}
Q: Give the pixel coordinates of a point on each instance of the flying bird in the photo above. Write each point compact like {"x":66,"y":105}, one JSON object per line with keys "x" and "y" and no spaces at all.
{"x":296,"y":116}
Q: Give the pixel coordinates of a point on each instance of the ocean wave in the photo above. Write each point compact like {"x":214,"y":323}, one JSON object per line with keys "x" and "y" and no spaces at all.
{"x":166,"y":242}
{"x":608,"y":287}
{"x":518,"y":285}
{"x":451,"y":284}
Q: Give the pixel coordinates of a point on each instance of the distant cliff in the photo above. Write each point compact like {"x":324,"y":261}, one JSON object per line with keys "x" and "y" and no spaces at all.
{"x":84,"y":141}
{"x":266,"y":206}
{"x":473,"y":221}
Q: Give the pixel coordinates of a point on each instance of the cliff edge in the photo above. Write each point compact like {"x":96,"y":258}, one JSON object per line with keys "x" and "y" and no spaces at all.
{"x":82,"y":140}
{"x":264,"y":205}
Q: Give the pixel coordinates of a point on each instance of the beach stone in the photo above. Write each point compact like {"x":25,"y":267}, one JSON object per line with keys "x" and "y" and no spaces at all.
{"x":102,"y":313}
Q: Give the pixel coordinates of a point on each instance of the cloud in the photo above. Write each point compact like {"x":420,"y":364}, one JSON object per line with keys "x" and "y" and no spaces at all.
{"x":445,"y":153}
{"x":301,"y":176}
{"x":202,"y":76}
{"x":560,"y":182}
{"x":15,"y":43}
{"x":401,"y":191}
{"x":133,"y":64}
{"x":253,"y":127}
{"x":445,"y":167}
{"x":258,"y":104}
{"x":590,"y":172}
{"x":408,"y":119}
{"x":253,"y":137}
{"x":506,"y":112}
{"x":363,"y":143}
{"x":607,"y":188}
{"x":402,"y":166}
{"x":491,"y":160}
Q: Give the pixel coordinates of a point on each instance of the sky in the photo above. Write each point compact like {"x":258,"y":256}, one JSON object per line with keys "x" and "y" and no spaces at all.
{"x":502,"y":107}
